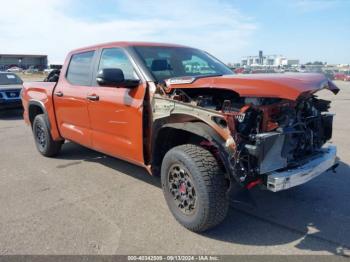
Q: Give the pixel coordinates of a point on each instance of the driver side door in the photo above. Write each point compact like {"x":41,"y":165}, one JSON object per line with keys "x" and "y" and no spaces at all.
{"x":116,"y":112}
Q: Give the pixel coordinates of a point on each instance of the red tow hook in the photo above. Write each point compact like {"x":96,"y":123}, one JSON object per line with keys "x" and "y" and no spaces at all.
{"x":254,"y":183}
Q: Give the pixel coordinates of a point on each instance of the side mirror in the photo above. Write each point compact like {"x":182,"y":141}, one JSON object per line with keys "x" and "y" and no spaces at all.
{"x":114,"y":77}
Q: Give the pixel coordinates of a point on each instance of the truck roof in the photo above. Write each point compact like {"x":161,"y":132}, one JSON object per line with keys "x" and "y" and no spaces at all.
{"x":125,"y":44}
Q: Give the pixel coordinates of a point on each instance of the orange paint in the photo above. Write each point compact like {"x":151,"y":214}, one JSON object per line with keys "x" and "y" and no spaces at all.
{"x":113,"y":123}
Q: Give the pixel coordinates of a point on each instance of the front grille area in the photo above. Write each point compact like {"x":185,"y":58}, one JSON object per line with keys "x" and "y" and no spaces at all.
{"x":12,"y":94}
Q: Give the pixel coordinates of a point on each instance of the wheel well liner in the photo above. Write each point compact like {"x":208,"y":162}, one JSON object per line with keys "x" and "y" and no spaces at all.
{"x":174,"y":134}
{"x":36,"y":108}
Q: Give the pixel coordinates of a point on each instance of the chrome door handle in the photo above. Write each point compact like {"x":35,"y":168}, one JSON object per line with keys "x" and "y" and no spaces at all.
{"x":93,"y":97}
{"x":59,"y":94}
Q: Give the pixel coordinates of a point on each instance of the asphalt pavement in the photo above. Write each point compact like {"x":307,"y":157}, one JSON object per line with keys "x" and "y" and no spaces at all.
{"x":84,"y":202}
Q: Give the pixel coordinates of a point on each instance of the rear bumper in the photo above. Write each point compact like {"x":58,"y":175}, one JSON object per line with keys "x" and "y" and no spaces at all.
{"x":278,"y":181}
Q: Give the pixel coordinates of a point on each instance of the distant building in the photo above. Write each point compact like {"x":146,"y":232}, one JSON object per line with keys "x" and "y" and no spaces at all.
{"x":268,"y":60}
{"x":290,"y":62}
{"x":23,"y":61}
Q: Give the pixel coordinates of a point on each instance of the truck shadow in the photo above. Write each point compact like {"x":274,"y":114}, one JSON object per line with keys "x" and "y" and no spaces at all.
{"x":72,"y":151}
{"x":312,"y":217}
{"x":11,"y":114}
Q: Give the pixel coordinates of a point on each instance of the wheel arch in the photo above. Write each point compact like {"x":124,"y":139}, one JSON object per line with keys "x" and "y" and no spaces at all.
{"x":36,"y":108}
{"x":170,"y":135}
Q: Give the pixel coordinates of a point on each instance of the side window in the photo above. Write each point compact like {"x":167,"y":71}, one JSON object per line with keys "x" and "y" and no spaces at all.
{"x":116,"y":58}
{"x":79,"y":70}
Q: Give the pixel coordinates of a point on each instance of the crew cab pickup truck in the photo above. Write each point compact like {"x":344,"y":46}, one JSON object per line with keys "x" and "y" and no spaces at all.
{"x":185,"y":116}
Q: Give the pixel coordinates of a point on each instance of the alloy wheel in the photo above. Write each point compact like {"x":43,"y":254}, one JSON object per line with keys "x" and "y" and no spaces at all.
{"x":40,"y":135}
{"x":181,"y":187}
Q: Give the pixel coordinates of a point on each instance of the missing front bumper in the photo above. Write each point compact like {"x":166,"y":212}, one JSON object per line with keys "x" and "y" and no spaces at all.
{"x":277,"y":181}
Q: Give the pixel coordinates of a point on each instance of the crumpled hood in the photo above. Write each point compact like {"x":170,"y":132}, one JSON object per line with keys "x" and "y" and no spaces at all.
{"x":10,"y":87}
{"x":288,"y":86}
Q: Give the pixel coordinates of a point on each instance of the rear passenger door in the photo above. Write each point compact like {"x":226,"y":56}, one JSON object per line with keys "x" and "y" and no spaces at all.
{"x":70,"y":98}
{"x":116,"y":117}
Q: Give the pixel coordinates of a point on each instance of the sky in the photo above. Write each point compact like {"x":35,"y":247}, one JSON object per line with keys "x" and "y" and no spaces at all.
{"x":308,"y":30}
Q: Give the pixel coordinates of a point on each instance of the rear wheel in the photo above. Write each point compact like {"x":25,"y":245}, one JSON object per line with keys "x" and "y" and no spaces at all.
{"x":43,"y":139}
{"x":194,"y":187}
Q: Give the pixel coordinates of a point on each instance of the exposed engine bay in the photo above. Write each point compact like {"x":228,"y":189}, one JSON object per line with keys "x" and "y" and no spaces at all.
{"x":269,"y":133}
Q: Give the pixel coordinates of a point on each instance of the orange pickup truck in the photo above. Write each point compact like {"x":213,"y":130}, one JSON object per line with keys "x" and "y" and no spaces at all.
{"x":186,"y":117}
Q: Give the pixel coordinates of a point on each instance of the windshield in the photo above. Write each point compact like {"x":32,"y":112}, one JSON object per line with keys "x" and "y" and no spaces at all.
{"x":10,"y":79}
{"x":169,"y":62}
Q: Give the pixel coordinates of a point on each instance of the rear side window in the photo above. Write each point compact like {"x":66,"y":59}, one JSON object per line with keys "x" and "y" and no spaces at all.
{"x":79,"y":70}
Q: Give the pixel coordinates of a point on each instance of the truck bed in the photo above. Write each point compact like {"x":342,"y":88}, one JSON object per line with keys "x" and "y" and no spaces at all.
{"x":39,"y":94}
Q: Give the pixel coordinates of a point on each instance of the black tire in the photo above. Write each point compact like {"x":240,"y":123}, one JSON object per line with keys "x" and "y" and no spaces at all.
{"x":208,"y":205}
{"x":43,"y":140}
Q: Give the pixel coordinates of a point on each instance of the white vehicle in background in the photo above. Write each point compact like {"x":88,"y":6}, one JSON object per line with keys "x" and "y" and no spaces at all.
{"x":31,"y":70}
{"x":48,"y":71}
{"x":52,"y":67}
{"x":14,"y":69}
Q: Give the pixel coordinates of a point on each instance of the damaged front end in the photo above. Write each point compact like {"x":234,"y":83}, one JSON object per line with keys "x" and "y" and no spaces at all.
{"x":276,"y":142}
{"x":281,"y":136}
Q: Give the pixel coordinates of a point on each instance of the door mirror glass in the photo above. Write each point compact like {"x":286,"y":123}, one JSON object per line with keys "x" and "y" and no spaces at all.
{"x":114,"y":77}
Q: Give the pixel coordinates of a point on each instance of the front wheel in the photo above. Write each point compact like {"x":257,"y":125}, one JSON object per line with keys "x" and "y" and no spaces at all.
{"x":43,"y":140}
{"x":194,"y":187}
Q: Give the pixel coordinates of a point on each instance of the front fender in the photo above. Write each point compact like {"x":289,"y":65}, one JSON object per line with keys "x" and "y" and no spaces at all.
{"x":203,"y":130}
